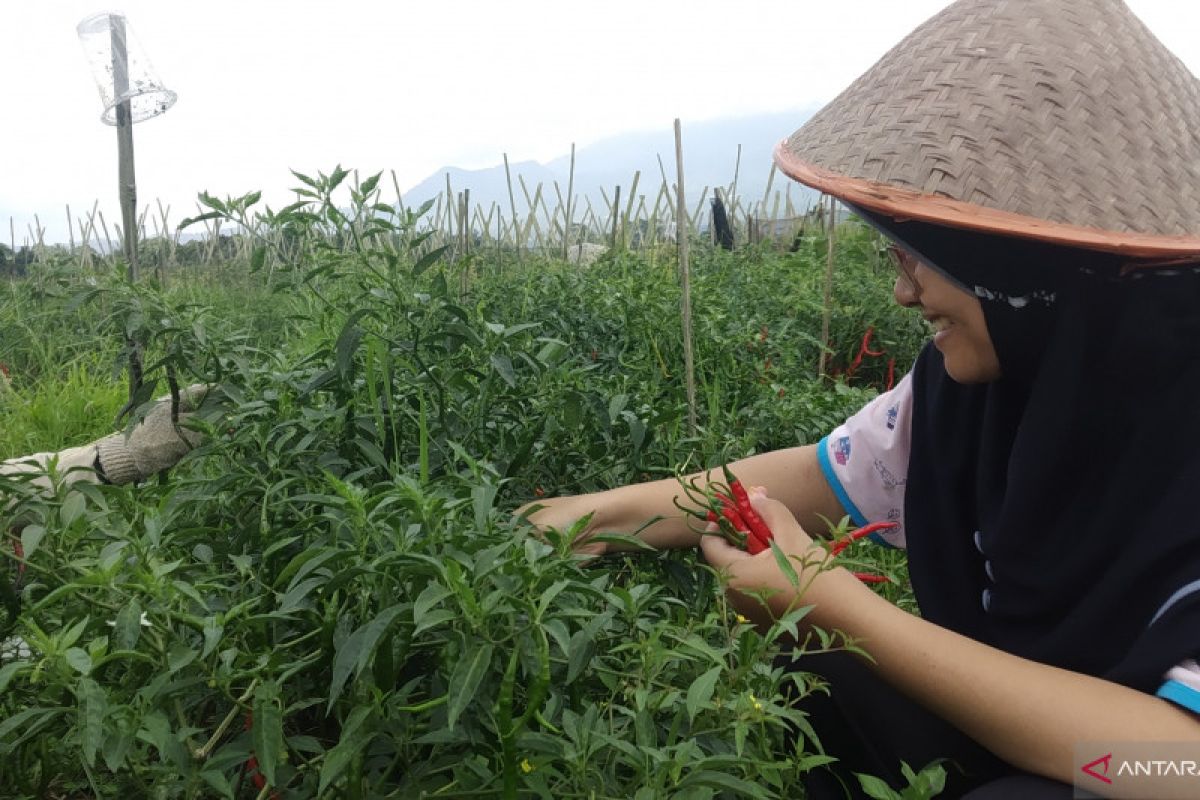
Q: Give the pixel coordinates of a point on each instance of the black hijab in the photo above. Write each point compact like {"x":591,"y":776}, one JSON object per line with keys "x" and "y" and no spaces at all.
{"x":1053,"y":512}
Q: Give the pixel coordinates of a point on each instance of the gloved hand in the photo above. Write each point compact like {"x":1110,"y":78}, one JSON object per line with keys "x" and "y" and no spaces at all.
{"x":155,"y":444}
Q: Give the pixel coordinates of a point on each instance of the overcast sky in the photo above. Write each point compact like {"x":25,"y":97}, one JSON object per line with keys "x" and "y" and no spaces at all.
{"x":265,"y":86}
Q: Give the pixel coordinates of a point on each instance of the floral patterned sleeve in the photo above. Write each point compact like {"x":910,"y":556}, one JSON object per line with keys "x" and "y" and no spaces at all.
{"x":865,"y":460}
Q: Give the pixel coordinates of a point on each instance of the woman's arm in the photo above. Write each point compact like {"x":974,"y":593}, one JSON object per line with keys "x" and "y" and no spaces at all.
{"x":1029,"y":714}
{"x":792,"y":475}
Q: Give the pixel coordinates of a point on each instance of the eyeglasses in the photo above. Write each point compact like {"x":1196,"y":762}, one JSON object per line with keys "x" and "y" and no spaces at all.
{"x":905,"y":264}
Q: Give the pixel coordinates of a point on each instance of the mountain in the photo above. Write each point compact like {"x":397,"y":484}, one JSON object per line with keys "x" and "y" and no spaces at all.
{"x":710,"y":159}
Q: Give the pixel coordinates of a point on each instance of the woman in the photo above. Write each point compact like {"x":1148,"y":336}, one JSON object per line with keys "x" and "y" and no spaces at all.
{"x":1037,"y":164}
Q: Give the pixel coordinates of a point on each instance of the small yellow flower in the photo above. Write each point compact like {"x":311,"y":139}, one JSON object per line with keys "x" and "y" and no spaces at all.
{"x":526,"y":767}
{"x":741,"y":620}
{"x":754,"y":702}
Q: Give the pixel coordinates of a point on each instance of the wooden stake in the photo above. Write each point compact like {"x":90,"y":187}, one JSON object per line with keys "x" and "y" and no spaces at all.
{"x":512,"y":203}
{"x":681,"y":233}
{"x":399,"y":196}
{"x":629,"y":209}
{"x":568,"y":213}
{"x":827,"y":311}
{"x":127,"y":183}
{"x":616,"y":216}
{"x":737,"y":166}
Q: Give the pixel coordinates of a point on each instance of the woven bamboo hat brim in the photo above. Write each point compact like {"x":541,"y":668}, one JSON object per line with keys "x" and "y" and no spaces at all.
{"x":1060,"y":120}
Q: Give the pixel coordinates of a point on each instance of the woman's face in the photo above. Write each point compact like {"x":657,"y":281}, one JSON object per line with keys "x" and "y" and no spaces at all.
{"x":961,"y":332}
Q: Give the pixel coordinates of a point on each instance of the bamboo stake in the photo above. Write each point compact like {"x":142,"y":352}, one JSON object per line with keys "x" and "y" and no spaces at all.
{"x":770,"y":181}
{"x":685,"y":283}
{"x":512,"y":203}
{"x":694,"y":219}
{"x":172,"y":241}
{"x":85,"y":249}
{"x":629,"y":208}
{"x":551,"y":222}
{"x":108,"y":249}
{"x":451,"y":207}
{"x":399,"y":196}
{"x":775,"y":219}
{"x":827,"y":310}
{"x":70,"y":231}
{"x":39,"y":245}
{"x":639,"y":217}
{"x":569,"y":210}
{"x":499,"y":233}
{"x":616,"y":218}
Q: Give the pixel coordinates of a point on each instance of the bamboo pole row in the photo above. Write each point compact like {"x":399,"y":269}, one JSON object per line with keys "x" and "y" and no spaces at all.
{"x":628,"y":218}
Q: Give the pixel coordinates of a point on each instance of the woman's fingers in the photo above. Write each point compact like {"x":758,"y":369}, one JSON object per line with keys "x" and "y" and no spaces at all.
{"x":719,"y":553}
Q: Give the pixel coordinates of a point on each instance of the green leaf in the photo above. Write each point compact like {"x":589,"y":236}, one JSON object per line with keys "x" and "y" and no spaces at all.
{"x":217,"y":780}
{"x":428,"y":260}
{"x":93,"y":706}
{"x":307,"y":180}
{"x":9,"y":671}
{"x":72,"y":634}
{"x":430,"y":596}
{"x":354,"y":737}
{"x":348,"y":341}
{"x":295,"y":595}
{"x":267,"y":733}
{"x":258,"y":258}
{"x":552,"y":352}
{"x":354,"y":653}
{"x":213,"y":203}
{"x":336,"y":178}
{"x":156,"y":730}
{"x":700,"y":692}
{"x":876,"y":788}
{"x":115,"y":747}
{"x":369,"y":184}
{"x":465,"y":680}
{"x":720,"y":780}
{"x":31,"y":537}
{"x":127,"y":627}
{"x":482,"y":499}
{"x":179,"y":656}
{"x":72,"y":508}
{"x":785,"y":565}
{"x":28,"y":722}
{"x":205,"y":217}
{"x":212,"y":636}
{"x":79,"y":660}
{"x":504,"y":368}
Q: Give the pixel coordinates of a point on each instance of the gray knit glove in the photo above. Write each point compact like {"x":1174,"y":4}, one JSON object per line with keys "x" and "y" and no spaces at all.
{"x":155,"y":444}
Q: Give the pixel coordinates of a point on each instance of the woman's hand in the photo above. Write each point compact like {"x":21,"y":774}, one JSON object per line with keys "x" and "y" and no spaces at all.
{"x":569,"y":516}
{"x":751,"y":575}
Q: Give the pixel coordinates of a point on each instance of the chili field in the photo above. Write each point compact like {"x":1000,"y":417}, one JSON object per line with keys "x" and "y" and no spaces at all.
{"x":331,"y":596}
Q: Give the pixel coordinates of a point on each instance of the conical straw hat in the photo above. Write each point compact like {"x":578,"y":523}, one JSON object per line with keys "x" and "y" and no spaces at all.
{"x":1060,"y":120}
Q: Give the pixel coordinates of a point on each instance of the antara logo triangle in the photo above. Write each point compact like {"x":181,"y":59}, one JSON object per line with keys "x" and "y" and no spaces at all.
{"x":1089,"y":769}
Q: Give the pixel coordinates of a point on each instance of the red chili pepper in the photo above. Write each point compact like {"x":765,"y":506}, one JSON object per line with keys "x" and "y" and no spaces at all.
{"x":754,"y":523}
{"x":859,"y":533}
{"x":864,"y":349}
{"x":855,"y":535}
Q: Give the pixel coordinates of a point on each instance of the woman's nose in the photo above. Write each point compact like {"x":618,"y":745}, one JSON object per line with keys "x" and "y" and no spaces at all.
{"x":905,"y":294}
